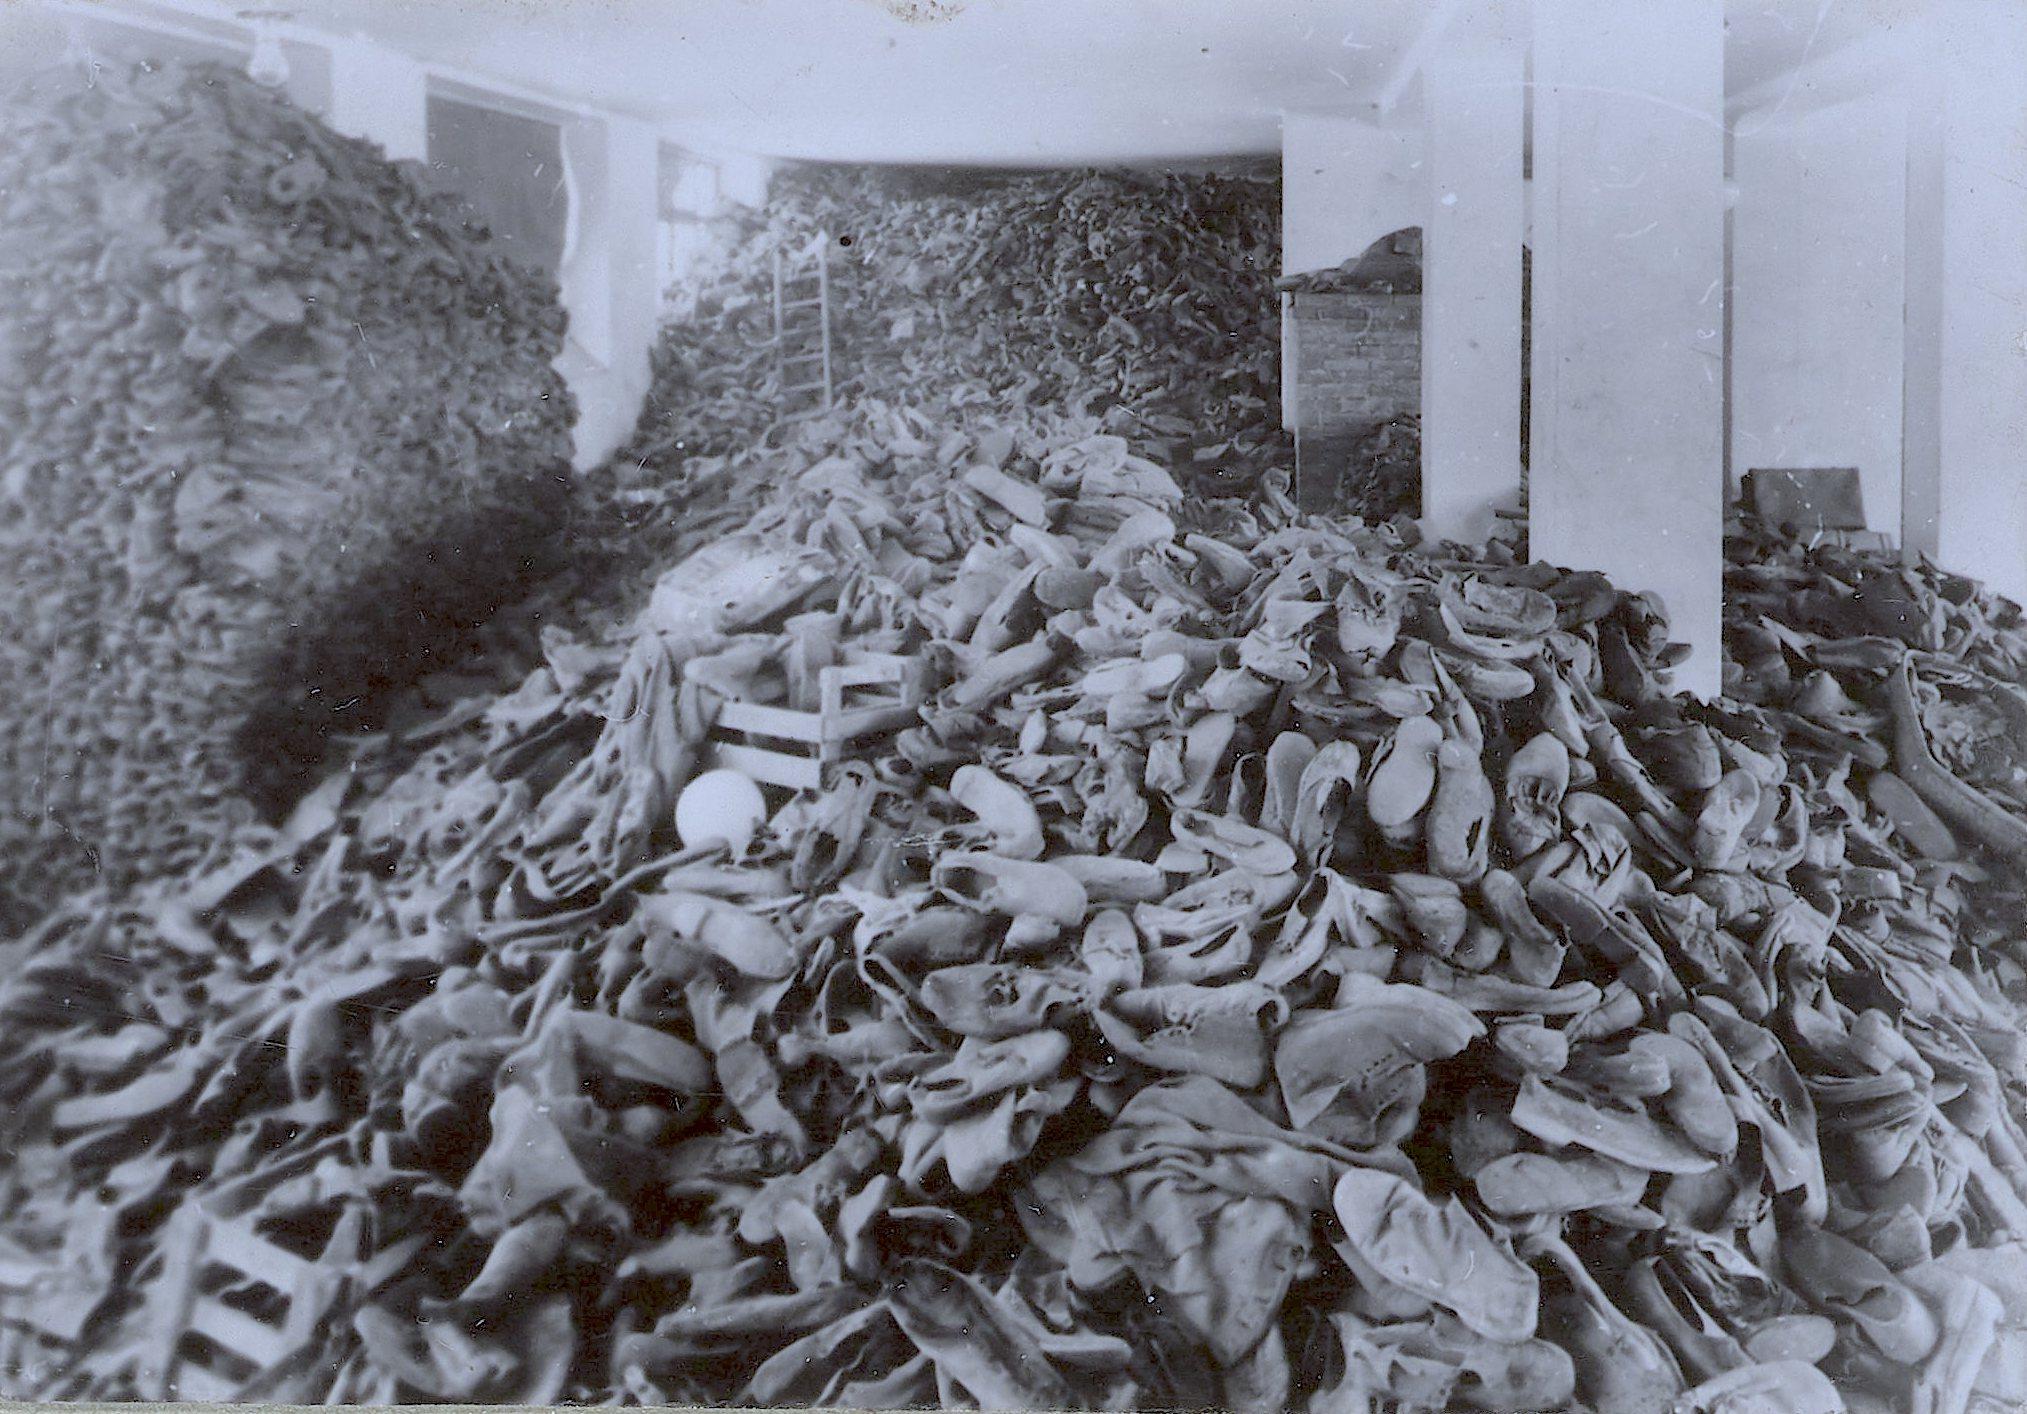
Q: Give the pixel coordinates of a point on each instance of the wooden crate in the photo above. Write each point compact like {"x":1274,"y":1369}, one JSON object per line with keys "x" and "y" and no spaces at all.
{"x":204,"y":1255}
{"x":857,"y":702}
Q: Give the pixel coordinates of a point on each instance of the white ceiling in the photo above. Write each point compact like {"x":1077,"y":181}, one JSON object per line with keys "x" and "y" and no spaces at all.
{"x":1001,"y":81}
{"x":1016,"y":82}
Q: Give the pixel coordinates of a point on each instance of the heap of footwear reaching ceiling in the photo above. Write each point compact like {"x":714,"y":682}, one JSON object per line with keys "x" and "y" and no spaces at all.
{"x":1149,"y":298}
{"x":1279,"y":966}
{"x":260,"y":394}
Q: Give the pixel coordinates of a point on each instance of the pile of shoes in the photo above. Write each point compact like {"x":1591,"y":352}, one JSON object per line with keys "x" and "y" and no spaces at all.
{"x":1150,"y":296}
{"x":261,"y":391}
{"x":1284,"y":966}
{"x":1382,"y":477}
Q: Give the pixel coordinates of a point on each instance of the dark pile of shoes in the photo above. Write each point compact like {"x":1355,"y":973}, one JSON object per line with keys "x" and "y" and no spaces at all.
{"x":1150,"y":296}
{"x":1382,"y":477}
{"x":262,"y":394}
{"x":1280,"y":966}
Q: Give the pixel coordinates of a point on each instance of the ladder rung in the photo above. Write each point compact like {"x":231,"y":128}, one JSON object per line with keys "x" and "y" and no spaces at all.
{"x":803,"y":388}
{"x":801,"y":304}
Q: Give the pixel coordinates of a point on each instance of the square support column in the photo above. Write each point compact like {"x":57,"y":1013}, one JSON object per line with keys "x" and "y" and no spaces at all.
{"x":1627,"y":422}
{"x":1474,"y":89}
{"x":610,"y":278}
{"x":1966,"y":477}
{"x":382,"y":96}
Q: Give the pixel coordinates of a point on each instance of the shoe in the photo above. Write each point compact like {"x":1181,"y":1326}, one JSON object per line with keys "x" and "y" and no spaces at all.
{"x":1277,"y":649}
{"x":1494,"y":1376}
{"x":1329,"y":912}
{"x":1109,"y":880}
{"x":1287,"y":761}
{"x":1704,"y":954}
{"x":1721,"y":824}
{"x":1323,"y":795}
{"x":1527,"y":1184}
{"x":1704,"y":1348}
{"x":1401,"y":778}
{"x":1368,"y":617}
{"x":982,"y":1069}
{"x":1537,"y":777}
{"x":977,"y":1146}
{"x":1211,"y":956}
{"x":1240,"y":845}
{"x":1911,"y":817}
{"x":1846,"y":1282}
{"x":1963,"y":805}
{"x":1484,"y":681}
{"x":1491,"y":994}
{"x":1438,"y":1253}
{"x":1764,"y":1091}
{"x":1557,"y":1116}
{"x":1387,"y":696}
{"x":1536,"y":1049}
{"x":1498,"y":620}
{"x":1692,"y":1100}
{"x":1005,"y":814}
{"x":1610,"y":752}
{"x":1014,"y":888}
{"x":1682,"y":758}
{"x":1600,"y":866}
{"x":1224,"y":1047}
{"x":1555,"y":707}
{"x":1375,"y":1034}
{"x":1459,"y":826}
{"x":1433,"y":910}
{"x":1110,"y":952}
{"x":1621,"y":1366}
{"x":1206,"y":743}
{"x":1809,"y":1339}
{"x":1205,"y":930}
{"x":995,"y":1001}
{"x":1615,"y":1009}
{"x":1061,"y":587}
{"x":1626,"y":1074}
{"x":1783,"y":1387}
{"x":1534,"y":954}
{"x":1615,"y":937}
{"x":679,"y":922}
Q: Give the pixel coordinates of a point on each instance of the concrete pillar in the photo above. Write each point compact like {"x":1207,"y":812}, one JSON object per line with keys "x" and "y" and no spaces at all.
{"x":1921,"y":446}
{"x":381,"y":95}
{"x":1627,"y":462}
{"x":1474,"y":90}
{"x":743,"y":178}
{"x":1979,"y":358}
{"x":1817,"y":256}
{"x":609,"y":278}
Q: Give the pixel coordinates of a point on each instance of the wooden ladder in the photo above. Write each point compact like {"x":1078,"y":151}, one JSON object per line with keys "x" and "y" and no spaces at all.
{"x":802,"y":325}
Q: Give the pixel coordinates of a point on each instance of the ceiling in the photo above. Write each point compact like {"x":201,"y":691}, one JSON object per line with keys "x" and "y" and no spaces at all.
{"x":1010,"y":82}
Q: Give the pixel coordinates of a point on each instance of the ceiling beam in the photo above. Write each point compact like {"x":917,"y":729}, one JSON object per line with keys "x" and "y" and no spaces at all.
{"x":1416,"y":55}
{"x":1861,"y":66}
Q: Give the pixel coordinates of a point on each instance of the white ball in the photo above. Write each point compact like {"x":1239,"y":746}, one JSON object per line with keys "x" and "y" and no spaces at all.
{"x":719,"y":807}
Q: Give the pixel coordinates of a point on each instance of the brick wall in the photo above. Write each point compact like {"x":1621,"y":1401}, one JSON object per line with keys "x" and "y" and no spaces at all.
{"x":1358,"y":363}
{"x":1358,"y":358}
